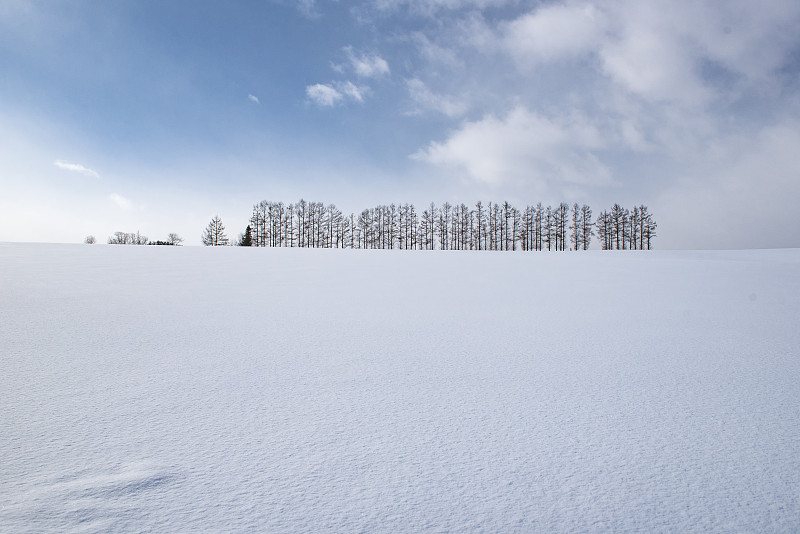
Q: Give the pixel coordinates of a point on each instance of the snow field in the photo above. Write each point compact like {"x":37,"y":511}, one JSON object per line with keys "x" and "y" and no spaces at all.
{"x":251,"y":390}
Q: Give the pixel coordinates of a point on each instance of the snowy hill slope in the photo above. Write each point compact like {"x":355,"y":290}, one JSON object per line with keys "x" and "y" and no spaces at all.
{"x":189,"y":389}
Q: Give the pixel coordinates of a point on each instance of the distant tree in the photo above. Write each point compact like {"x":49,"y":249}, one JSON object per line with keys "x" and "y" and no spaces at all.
{"x":345,"y":230}
{"x":605,"y":231}
{"x":562,"y":223}
{"x":586,"y":221}
{"x":480,"y":226}
{"x":413,"y":227}
{"x":174,"y":239}
{"x":90,"y":240}
{"x":516,"y":227}
{"x":575,"y":236}
{"x":427,"y":228}
{"x":538,"y":220}
{"x":442,"y":220}
{"x":526,"y":231}
{"x":364,"y":225}
{"x":245,"y":239}
{"x":214,"y":234}
{"x":140,"y":239}
{"x":124,"y":238}
{"x":619,"y":219}
{"x":493,"y":215}
{"x":505,"y":226}
{"x":119,"y":238}
{"x":649,"y":226}
{"x":548,"y":228}
{"x":465,"y":221}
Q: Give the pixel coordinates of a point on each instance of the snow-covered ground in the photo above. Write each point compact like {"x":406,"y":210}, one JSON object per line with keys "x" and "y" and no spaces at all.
{"x":271,"y":390}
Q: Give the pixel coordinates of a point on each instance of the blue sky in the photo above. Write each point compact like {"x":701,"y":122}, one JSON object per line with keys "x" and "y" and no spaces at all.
{"x":157,"y":115}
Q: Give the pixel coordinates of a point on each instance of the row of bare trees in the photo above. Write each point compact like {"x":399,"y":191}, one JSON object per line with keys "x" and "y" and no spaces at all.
{"x":130,"y":238}
{"x":621,"y":228}
{"x":493,"y":226}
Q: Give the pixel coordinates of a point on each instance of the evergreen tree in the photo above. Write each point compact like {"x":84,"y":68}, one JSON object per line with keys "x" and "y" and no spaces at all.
{"x":247,"y":238}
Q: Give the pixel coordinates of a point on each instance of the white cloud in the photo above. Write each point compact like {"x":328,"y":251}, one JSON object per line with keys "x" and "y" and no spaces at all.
{"x":323,"y":95}
{"x":75,"y":167}
{"x":366,"y":66}
{"x":650,"y":55}
{"x":662,"y":54}
{"x":328,"y":95}
{"x":120,"y":201}
{"x":253,"y":98}
{"x":555,"y":32}
{"x":523,"y":147}
{"x":659,"y":53}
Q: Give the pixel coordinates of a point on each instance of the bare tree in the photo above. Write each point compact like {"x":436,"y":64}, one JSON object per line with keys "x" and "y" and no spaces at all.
{"x":526,"y":230}
{"x":561,"y":222}
{"x":119,"y":238}
{"x":649,"y":226}
{"x":90,"y":240}
{"x":586,"y":221}
{"x":413,"y":226}
{"x":548,"y":228}
{"x":538,"y":220}
{"x":516,"y":227}
{"x":618,"y":221}
{"x":214,"y":234}
{"x":427,"y":227}
{"x":442,"y":225}
{"x":576,"y":228}
{"x":605,"y":230}
{"x":124,"y":238}
{"x":480,"y":225}
{"x":176,"y":240}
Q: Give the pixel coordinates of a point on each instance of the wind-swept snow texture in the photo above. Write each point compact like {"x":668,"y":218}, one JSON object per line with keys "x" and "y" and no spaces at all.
{"x":181,"y":389}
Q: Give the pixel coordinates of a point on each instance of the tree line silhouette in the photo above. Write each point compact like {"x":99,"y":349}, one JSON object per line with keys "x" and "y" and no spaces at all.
{"x":130,"y":238}
{"x":493,"y":226}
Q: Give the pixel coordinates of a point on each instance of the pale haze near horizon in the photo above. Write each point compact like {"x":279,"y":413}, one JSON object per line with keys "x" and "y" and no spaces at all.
{"x":155,"y":116}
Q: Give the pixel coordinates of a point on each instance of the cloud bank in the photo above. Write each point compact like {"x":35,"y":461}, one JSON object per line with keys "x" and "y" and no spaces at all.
{"x":624,"y":100}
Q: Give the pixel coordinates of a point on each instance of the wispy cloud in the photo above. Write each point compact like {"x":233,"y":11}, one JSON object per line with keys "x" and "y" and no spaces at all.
{"x":366,"y":65}
{"x":253,"y":98}
{"x":426,"y":99}
{"x":120,"y":201}
{"x":75,"y":167}
{"x":328,"y":95}
{"x":308,"y":8}
{"x":353,"y":91}
{"x":336,"y":92}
